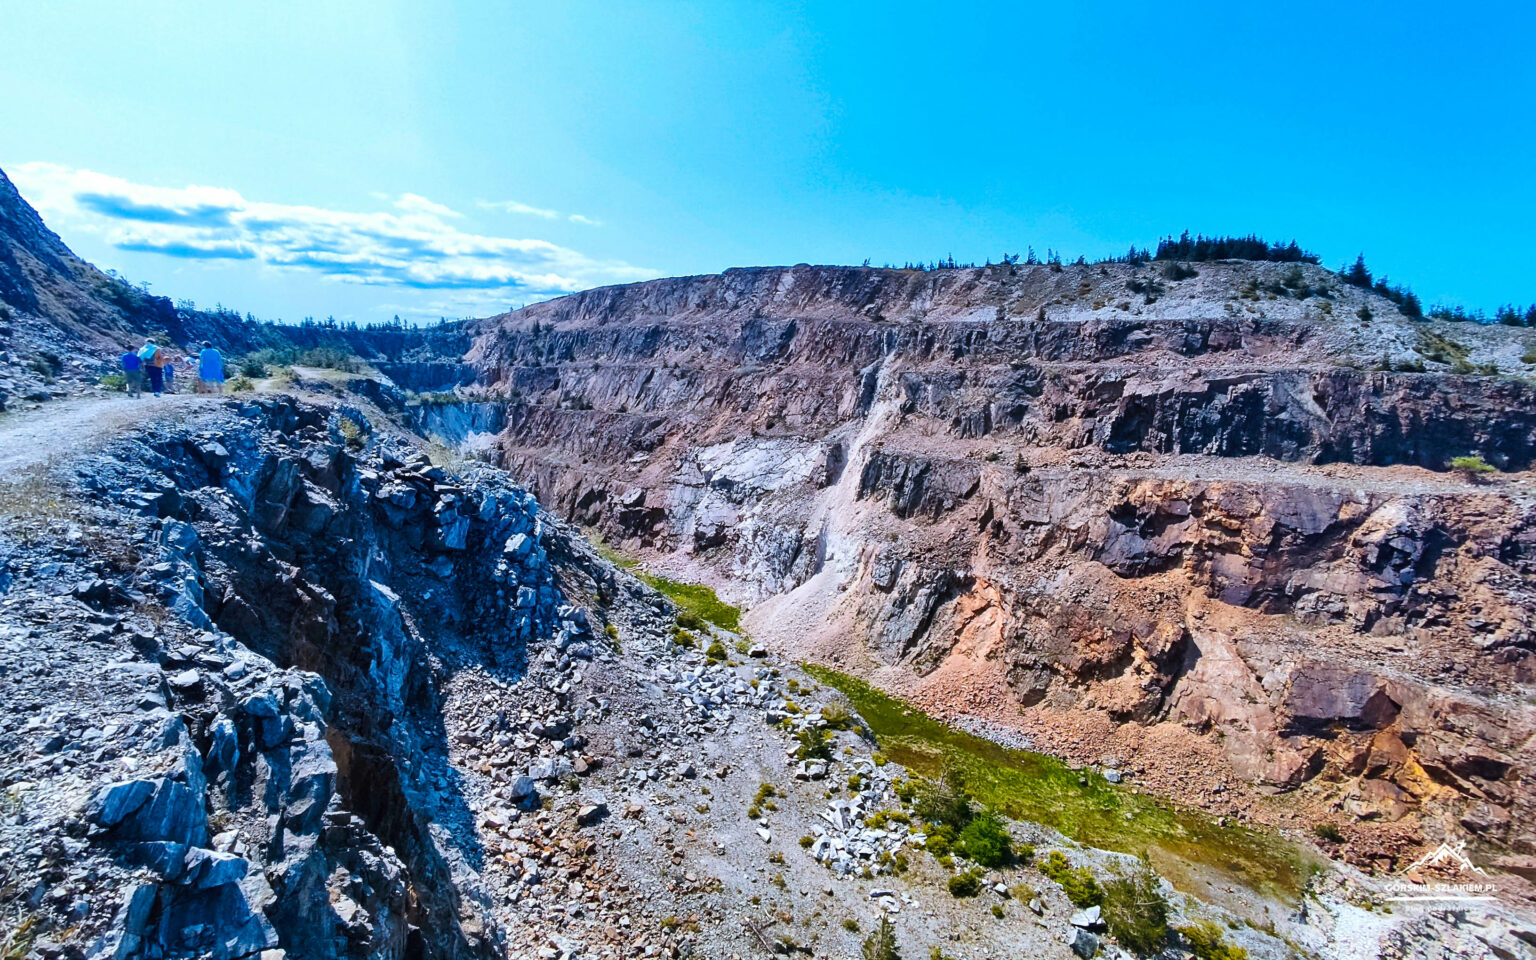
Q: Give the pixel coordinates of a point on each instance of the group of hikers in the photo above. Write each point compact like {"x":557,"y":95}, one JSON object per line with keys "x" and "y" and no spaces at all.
{"x":155,"y":363}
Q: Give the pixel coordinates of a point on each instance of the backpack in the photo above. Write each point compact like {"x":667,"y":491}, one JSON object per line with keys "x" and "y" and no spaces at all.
{"x":148,"y":351}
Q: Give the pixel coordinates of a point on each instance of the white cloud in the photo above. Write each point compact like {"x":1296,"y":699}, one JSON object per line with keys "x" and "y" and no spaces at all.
{"x":414,"y":246}
{"x":512,"y":206}
{"x":412,"y":203}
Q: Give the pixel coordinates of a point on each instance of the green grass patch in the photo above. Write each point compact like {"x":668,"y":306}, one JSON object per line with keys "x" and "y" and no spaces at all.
{"x":612,"y":554}
{"x":1033,"y":786}
{"x":696,"y":602}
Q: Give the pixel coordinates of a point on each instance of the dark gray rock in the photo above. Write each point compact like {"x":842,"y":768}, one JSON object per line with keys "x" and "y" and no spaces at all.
{"x":113,"y":803}
{"x":206,"y":869}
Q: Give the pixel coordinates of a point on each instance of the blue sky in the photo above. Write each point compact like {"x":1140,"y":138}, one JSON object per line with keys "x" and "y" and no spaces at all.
{"x":366,"y":159}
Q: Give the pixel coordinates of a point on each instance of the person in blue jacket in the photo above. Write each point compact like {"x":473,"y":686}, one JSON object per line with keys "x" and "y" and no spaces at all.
{"x":210,"y":368}
{"x":133,"y":372}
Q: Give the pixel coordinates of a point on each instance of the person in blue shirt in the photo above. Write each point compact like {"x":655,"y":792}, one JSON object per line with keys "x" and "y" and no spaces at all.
{"x":210,"y":368}
{"x":133,"y":372}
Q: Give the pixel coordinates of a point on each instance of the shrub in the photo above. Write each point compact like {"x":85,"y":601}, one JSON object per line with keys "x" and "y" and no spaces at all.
{"x":997,"y":910}
{"x":716,"y":651}
{"x":945,"y":803}
{"x":1472,"y":465}
{"x":115,"y":381}
{"x":836,"y":716}
{"x":985,"y":840}
{"x":851,"y":925}
{"x":252,"y":366}
{"x":881,"y":944}
{"x":1329,"y":833}
{"x":1076,"y":882}
{"x":352,"y":432}
{"x":966,"y":884}
{"x":1136,"y":912}
{"x":1204,"y":939}
{"x":241,"y":384}
{"x":814,"y":745}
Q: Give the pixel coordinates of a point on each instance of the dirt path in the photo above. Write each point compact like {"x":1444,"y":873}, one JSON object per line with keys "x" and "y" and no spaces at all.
{"x":55,"y":431}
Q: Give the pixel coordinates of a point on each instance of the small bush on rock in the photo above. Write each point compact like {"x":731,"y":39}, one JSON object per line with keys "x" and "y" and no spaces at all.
{"x":1472,"y":465}
{"x":1204,"y":939}
{"x":985,"y":840}
{"x":1076,"y":882}
{"x":814,"y":745}
{"x":966,"y":884}
{"x":881,"y":944}
{"x":945,"y":804}
{"x":1136,"y":912}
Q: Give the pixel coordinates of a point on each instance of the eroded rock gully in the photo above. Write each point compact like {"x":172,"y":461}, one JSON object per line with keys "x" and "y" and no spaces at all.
{"x":1207,"y":529}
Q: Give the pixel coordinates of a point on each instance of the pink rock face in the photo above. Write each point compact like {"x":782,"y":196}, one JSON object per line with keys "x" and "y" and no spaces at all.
{"x":1023,"y":494}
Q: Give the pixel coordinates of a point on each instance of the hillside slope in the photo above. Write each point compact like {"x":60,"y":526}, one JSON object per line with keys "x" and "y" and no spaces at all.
{"x":1201,"y":527}
{"x":63,"y":322}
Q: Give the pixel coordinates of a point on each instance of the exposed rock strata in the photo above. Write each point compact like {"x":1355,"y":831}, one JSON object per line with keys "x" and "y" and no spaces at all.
{"x":1173,"y":507}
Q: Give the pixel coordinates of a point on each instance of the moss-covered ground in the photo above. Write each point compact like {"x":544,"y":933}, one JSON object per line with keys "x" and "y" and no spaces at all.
{"x":1184,"y":845}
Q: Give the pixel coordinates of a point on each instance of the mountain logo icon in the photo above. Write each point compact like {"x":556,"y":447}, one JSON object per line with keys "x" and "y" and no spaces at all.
{"x":1444,"y":873}
{"x":1448,"y":858}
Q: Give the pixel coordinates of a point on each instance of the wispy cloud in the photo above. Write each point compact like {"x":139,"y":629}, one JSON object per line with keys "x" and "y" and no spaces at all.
{"x":512,"y":206}
{"x":414,"y":246}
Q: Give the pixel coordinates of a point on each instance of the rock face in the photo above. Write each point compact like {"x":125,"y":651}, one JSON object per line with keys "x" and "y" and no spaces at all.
{"x":1210,"y":512}
{"x":278,"y":776}
{"x":41,"y":277}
